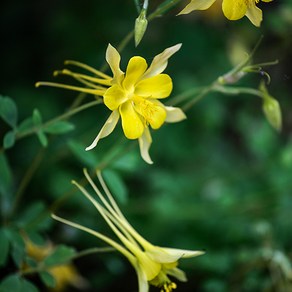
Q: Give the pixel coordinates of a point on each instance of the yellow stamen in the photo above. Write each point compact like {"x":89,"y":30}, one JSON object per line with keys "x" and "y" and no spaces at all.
{"x":88,"y":68}
{"x":79,"y":78}
{"x":85,"y":77}
{"x":168,"y":287}
{"x":75,"y":88}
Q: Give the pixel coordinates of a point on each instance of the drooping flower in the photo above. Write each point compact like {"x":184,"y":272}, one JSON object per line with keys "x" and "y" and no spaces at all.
{"x":154,"y":265}
{"x":133,"y":95}
{"x":64,"y":274}
{"x":232,"y":9}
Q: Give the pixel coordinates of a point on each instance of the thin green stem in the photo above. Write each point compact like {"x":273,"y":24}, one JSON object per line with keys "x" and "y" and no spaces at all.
{"x":59,"y":118}
{"x":41,"y":267}
{"x":27,"y":178}
{"x":161,"y":9}
{"x":184,"y":95}
{"x":202,"y":94}
{"x":92,"y":251}
{"x":228,"y":90}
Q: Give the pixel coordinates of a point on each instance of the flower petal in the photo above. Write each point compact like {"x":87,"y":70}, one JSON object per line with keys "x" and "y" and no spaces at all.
{"x":113,"y":58}
{"x":136,"y":68}
{"x":151,"y":110}
{"x":114,"y":97}
{"x":131,"y":122}
{"x":159,"y":62}
{"x":159,"y":86}
{"x":170,"y":255}
{"x":107,"y":128}
{"x":178,"y":274}
{"x":174,"y":114}
{"x":254,"y":14}
{"x":234,"y":10}
{"x":144,"y":143}
{"x":142,"y":279}
{"x":197,"y":5}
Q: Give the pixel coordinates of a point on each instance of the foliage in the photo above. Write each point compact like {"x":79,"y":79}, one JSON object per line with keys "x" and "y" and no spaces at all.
{"x":221,"y":179}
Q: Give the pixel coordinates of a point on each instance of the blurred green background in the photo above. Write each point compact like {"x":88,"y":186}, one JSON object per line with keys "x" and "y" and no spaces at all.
{"x":221,"y":180}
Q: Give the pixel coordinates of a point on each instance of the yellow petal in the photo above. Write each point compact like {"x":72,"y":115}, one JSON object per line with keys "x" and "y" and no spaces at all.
{"x":131,"y":122}
{"x":144,"y":143}
{"x":114,"y":97}
{"x":159,"y":86}
{"x":107,"y":128}
{"x":150,"y":268}
{"x":113,"y":58}
{"x":136,"y":68}
{"x":197,"y":5}
{"x":152,"y":110}
{"x":234,"y":9}
{"x":159,"y":62}
{"x":255,"y":15}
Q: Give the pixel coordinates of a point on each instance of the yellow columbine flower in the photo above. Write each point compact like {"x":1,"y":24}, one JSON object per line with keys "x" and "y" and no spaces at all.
{"x":153,"y":264}
{"x":64,"y":274}
{"x":133,"y":96}
{"x":232,"y":9}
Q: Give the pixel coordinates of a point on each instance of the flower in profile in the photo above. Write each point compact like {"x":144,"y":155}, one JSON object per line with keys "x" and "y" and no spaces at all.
{"x":232,"y":9}
{"x":154,"y":265}
{"x":134,"y":95}
{"x":63,"y":274}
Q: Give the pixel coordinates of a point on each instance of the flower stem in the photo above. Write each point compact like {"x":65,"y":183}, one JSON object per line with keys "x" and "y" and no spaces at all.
{"x":64,"y":116}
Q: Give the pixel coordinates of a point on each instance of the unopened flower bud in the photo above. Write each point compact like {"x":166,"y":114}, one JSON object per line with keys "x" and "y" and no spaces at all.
{"x":140,"y":26}
{"x":271,"y":108}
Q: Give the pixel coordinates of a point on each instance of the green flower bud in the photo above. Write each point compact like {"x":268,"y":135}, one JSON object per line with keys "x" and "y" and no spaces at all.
{"x":271,"y":108}
{"x":140,"y":26}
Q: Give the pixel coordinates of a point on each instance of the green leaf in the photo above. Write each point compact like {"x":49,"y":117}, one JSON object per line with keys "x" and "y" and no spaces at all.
{"x":48,"y":279}
{"x":25,"y":125}
{"x":42,"y":138}
{"x":10,"y":283}
{"x":30,"y":214}
{"x":31,"y":262}
{"x":4,"y":247}
{"x":8,"y":111}
{"x":18,"y":246}
{"x":62,"y":254}
{"x":116,"y":185}
{"x":14,"y":283}
{"x":36,"y":237}
{"x":36,"y":117}
{"x":9,"y":139}
{"x":6,"y":175}
{"x":60,"y":127}
{"x":26,"y":286}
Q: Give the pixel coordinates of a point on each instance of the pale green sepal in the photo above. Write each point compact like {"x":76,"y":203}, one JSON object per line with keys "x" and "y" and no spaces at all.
{"x":159,"y":62}
{"x":174,"y":114}
{"x":178,"y":274}
{"x":107,"y":128}
{"x":144,"y":143}
{"x":171,"y":255}
{"x":197,"y":5}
